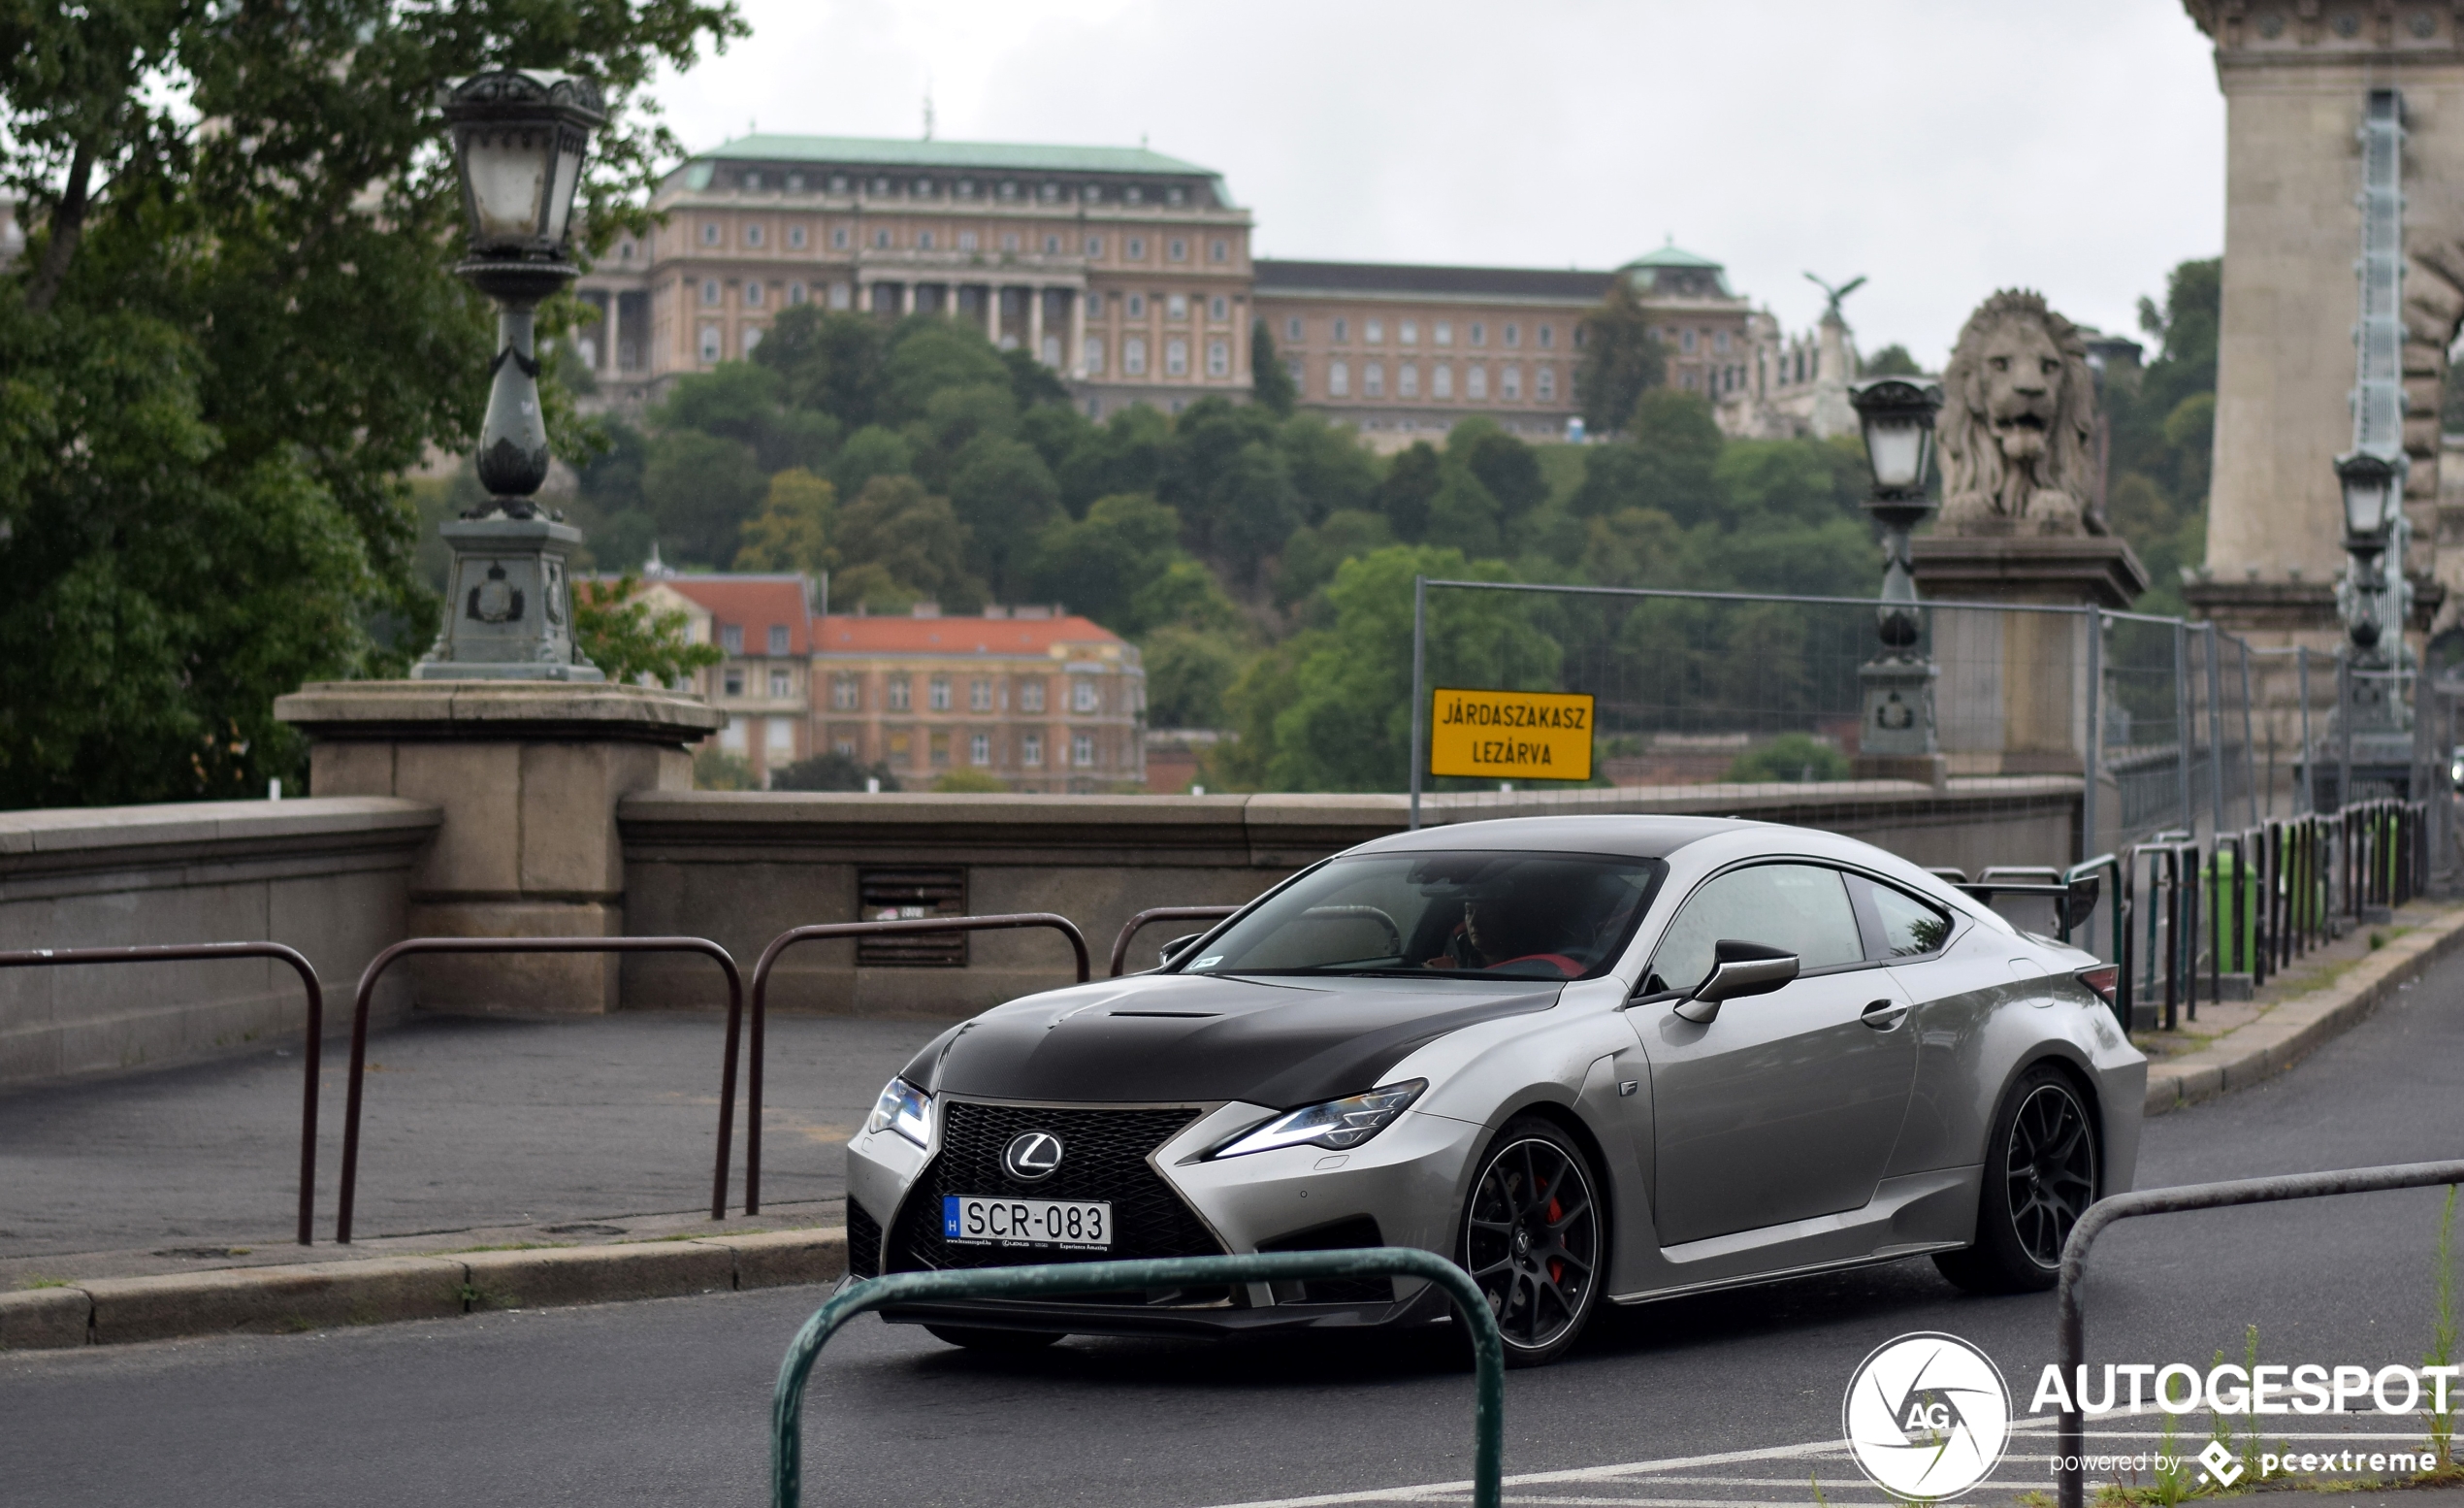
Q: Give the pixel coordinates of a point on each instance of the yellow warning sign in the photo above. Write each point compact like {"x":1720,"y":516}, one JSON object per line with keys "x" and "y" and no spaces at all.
{"x":1510,"y":735}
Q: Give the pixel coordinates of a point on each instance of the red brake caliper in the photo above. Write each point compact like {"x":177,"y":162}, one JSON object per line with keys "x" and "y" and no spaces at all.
{"x":1556,"y":1268}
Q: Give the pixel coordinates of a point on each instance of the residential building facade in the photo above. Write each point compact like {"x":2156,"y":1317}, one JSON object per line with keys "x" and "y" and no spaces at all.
{"x":1039,"y":699}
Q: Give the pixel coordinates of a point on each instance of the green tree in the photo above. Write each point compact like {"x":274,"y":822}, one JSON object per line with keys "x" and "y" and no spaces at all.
{"x":900,"y":543}
{"x":1507,"y":468}
{"x":741,"y":401}
{"x":1005,"y":495}
{"x":792,"y":532}
{"x":826,"y":361}
{"x":1676,"y":446}
{"x":928,"y":355}
{"x":632,"y":643}
{"x":869,"y":453}
{"x":1126,"y":454}
{"x":1310,"y":556}
{"x":830,"y":772}
{"x":1791,"y":757}
{"x":1331,"y":469}
{"x":1330,"y":708}
{"x":1271,"y":387}
{"x":2162,"y":433}
{"x":702,"y":490}
{"x":1188,"y":673}
{"x":1892,"y":360}
{"x":1463,"y":515}
{"x":1409,"y":487}
{"x":1097,"y":564}
{"x":1621,"y":360}
{"x":232,"y":331}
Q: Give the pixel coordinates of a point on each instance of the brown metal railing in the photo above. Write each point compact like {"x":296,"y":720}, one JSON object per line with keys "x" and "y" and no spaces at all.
{"x":405,"y":949}
{"x":825,"y":930}
{"x":179,"y":952}
{"x":1162,"y":913}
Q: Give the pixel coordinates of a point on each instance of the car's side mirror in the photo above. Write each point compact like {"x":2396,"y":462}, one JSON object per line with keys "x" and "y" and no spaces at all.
{"x":1175,"y":947}
{"x":1738,"y":970}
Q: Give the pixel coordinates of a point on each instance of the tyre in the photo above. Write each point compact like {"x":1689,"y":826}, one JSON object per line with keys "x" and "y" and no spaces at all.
{"x":974,"y":1339}
{"x":2041,"y":1173}
{"x":1535,"y":1239}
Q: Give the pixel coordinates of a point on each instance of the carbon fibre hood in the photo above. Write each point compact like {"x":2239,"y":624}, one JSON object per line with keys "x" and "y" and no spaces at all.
{"x":1279,"y":1042}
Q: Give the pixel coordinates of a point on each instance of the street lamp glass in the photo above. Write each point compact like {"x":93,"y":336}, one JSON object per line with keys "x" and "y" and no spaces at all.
{"x":1898,"y":448}
{"x":508,"y":167}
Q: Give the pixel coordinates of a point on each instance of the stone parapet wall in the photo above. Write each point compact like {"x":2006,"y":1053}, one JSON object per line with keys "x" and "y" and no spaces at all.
{"x":743,"y":866}
{"x":328,"y":877}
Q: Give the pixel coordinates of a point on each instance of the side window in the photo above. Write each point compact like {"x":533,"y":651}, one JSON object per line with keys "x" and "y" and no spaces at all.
{"x":1801,"y":907}
{"x":1910,"y":928}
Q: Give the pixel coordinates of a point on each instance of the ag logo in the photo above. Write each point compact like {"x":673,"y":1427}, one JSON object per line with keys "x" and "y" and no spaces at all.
{"x":1032,"y":1156}
{"x":1927,"y":1416}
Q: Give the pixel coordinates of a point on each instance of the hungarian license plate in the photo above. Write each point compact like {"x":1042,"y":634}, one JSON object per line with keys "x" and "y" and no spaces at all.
{"x":980,"y":1221}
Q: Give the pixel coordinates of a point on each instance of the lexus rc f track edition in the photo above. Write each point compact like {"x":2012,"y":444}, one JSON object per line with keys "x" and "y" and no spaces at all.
{"x":1588,"y":1059}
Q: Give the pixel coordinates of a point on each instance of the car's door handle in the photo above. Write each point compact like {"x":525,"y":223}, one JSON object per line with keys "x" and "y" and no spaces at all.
{"x":1883,"y":1015}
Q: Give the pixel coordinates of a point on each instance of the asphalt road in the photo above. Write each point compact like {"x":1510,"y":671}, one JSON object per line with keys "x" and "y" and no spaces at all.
{"x":668,"y":1402}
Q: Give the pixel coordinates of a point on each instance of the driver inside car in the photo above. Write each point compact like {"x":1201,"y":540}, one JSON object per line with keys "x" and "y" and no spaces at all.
{"x":1501,"y":930}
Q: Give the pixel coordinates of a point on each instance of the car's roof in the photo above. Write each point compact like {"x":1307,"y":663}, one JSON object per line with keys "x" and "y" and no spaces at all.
{"x":1641,"y":838}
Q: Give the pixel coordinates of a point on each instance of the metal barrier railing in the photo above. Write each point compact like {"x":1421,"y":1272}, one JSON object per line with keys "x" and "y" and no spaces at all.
{"x":2070,"y":1322}
{"x":1162,"y":913}
{"x":313,"y":1050}
{"x":795,"y":935}
{"x":419,"y":946}
{"x":787,"y":1402}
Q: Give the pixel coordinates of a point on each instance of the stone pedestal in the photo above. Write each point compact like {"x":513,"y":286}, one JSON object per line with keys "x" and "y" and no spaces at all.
{"x":529,"y":776}
{"x":508,"y":605}
{"x":2011,"y":695}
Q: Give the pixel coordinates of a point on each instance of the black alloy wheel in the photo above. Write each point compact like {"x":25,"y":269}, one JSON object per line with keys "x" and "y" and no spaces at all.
{"x":2040,"y":1176}
{"x":1532,"y":1239}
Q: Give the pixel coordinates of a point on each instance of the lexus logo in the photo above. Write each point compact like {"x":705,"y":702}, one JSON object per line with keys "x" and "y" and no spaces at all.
{"x":1031,"y":1155}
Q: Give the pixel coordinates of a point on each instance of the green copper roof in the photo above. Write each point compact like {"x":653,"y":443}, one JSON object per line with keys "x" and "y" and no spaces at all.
{"x":991,"y":156}
{"x":1671,"y":255}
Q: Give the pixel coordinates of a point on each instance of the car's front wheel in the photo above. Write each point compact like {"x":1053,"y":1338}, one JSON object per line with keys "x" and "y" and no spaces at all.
{"x":2040,"y":1176}
{"x":1533,"y":1240}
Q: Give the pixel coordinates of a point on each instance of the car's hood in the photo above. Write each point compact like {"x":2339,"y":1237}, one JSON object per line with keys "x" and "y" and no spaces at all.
{"x":1175,"y":1038}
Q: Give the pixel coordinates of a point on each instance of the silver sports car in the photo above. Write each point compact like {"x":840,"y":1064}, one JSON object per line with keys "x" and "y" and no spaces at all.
{"x":1589,"y":1058}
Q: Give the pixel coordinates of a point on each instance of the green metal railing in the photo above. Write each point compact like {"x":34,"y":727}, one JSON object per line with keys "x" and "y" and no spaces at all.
{"x":787,"y":1404}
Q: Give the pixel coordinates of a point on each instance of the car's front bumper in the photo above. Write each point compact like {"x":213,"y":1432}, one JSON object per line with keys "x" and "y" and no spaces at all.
{"x":1407,"y":1179}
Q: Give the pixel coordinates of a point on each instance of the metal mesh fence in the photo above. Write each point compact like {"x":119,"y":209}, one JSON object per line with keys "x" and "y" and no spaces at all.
{"x":1769,"y":705}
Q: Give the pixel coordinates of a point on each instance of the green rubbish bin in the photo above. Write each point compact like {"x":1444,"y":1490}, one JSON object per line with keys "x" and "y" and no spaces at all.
{"x":2238,"y":949}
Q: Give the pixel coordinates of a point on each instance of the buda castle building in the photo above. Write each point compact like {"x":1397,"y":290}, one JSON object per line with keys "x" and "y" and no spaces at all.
{"x":1129,"y":274}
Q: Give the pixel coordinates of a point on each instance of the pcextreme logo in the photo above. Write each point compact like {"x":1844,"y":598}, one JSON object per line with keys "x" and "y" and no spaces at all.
{"x":1927,"y":1416}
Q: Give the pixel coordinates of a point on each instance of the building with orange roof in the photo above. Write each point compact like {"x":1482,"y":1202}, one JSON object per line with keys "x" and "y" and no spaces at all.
{"x":1038,"y":698}
{"x":763,"y":624}
{"x":1042,"y":700}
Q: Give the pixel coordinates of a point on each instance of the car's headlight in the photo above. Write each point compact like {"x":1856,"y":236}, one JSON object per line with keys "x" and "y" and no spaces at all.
{"x":1336,"y":1124}
{"x":905,"y":1109}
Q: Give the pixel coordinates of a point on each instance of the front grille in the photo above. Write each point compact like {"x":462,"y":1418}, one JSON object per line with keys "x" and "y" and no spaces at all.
{"x":1103,"y":1156}
{"x":864,"y":1241}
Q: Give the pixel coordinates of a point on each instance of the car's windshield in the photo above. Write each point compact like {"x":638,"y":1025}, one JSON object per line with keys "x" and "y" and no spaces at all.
{"x":1517,"y":915}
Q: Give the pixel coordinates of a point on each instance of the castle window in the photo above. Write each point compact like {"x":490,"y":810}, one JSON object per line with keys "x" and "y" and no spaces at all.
{"x":1292,"y":330}
{"x":1094,"y":246}
{"x":1373,"y":331}
{"x":1218,"y":308}
{"x":1176,"y":305}
{"x":1133,"y":356}
{"x":753,"y":295}
{"x":1218,"y":358}
{"x":753,"y":181}
{"x":1545,"y":382}
{"x":1299,"y":370}
{"x":1547,"y":335}
{"x":753,"y":234}
{"x":1094,"y":305}
{"x":709,"y":290}
{"x":1176,"y":358}
{"x":1407,"y":332}
{"x":1408,"y":380}
{"x":881,"y":240}
{"x":923,"y":241}
{"x":1051,"y":246}
{"x":1136,"y":305}
{"x":1442,"y":381}
{"x":966,"y":240}
{"x":1136,"y":250}
{"x":1218,"y":251}
{"x":1177,"y":250}
{"x":1475,"y":384}
{"x":1343,"y":331}
{"x":795,"y":238}
{"x":1442,"y":334}
{"x":838,"y":238}
{"x":709,"y":233}
{"x":1513,"y":334}
{"x":1509,"y":383}
{"x":1479,"y":333}
{"x":1373,"y":379}
{"x":1339,"y":380}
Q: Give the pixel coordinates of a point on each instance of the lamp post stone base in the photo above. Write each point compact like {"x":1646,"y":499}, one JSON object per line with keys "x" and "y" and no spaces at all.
{"x":508,"y":605}
{"x":529,"y":776}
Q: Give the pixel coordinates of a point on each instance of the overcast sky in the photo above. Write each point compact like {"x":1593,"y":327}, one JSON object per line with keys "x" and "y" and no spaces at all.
{"x":1941,"y":148}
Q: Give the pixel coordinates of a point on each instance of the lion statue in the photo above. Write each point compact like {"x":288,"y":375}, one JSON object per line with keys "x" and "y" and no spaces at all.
{"x":2017,"y":432}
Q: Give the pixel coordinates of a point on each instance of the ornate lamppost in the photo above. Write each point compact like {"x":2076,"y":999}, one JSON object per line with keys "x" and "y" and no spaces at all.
{"x":519,"y":140}
{"x":1897,"y":416}
{"x":2370,"y":598}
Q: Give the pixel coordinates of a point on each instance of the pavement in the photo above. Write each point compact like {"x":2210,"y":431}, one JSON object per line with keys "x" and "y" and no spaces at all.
{"x":667,"y":1399}
{"x":476,"y":1131}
